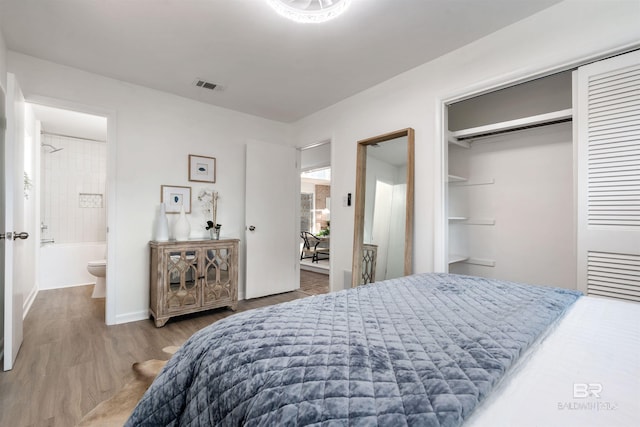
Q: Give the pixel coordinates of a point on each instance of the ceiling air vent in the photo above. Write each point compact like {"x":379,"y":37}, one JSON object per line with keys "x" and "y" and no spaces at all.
{"x":205,"y":84}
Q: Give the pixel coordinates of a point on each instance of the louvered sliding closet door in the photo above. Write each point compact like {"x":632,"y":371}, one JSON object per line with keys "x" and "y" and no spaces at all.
{"x":608,"y":120}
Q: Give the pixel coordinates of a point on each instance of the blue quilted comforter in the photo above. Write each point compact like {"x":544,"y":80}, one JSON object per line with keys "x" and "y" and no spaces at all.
{"x":422,"y":350}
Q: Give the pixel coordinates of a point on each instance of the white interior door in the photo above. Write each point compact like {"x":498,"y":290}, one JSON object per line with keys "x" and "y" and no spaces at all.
{"x":13,"y":220}
{"x":608,"y":102}
{"x":272,"y":232}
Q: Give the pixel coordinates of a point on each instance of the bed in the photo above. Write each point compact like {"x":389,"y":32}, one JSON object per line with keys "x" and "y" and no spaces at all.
{"x":423,"y":350}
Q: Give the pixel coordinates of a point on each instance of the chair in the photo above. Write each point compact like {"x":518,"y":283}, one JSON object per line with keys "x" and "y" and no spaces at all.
{"x":322,"y":249}
{"x":310,"y":247}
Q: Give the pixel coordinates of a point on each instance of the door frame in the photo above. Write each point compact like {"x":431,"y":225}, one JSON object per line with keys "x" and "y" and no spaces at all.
{"x":441,"y":223}
{"x":111,"y":190}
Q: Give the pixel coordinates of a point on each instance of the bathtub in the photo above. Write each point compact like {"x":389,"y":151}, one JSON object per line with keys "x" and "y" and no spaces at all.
{"x":65,"y":264}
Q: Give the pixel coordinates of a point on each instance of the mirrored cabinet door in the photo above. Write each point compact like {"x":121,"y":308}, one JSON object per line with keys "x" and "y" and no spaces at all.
{"x":181,"y":290}
{"x":218,"y":283}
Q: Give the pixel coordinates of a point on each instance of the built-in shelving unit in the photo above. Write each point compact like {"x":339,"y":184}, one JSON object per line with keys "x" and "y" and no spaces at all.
{"x":502,"y":151}
{"x":463,"y":137}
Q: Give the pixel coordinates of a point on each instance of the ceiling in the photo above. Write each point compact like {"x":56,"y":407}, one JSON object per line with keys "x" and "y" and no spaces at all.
{"x":70,"y":123}
{"x":264,"y":64}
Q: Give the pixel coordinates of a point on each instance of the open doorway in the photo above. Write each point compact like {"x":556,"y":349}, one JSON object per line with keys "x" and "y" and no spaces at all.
{"x":72,"y":199}
{"x":315,"y":219}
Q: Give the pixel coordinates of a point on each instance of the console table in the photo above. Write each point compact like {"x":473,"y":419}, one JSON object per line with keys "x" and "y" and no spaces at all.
{"x":192,"y":276}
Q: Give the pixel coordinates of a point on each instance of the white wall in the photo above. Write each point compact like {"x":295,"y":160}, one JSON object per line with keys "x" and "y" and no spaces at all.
{"x":156,"y":132}
{"x":3,"y":62}
{"x":562,"y":34}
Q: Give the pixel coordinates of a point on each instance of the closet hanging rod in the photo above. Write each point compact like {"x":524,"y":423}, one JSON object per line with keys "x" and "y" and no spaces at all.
{"x":512,"y":125}
{"x":42,"y":132}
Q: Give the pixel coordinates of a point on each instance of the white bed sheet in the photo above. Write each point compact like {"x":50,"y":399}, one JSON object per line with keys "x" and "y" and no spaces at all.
{"x":585,"y":372}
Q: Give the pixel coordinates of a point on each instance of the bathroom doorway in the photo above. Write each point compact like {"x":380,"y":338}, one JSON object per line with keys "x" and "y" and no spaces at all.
{"x":72,"y":196}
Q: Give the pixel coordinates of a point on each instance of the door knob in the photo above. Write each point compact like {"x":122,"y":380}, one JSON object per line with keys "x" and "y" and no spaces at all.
{"x":22,"y":235}
{"x":252,"y":228}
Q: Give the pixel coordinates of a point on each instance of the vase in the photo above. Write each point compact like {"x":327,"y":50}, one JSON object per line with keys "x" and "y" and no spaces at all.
{"x":161,"y":225}
{"x":182,"y":228}
{"x":215,"y":233}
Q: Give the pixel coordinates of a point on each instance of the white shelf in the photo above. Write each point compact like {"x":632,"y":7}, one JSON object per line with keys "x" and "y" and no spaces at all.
{"x":470,"y":182}
{"x":457,"y":258}
{"x":459,"y":137}
{"x":454,"y":259}
{"x":472,"y":221}
{"x":455,"y":178}
{"x":454,"y":141}
{"x":481,"y":261}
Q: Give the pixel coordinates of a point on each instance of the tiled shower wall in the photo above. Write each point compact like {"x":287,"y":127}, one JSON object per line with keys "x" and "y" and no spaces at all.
{"x":73,"y":199}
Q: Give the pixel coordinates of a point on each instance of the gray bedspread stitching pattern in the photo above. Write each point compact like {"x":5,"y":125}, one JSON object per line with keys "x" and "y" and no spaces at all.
{"x":422,"y":350}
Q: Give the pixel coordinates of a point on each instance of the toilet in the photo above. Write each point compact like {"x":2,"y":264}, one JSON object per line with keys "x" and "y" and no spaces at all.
{"x":99,"y":270}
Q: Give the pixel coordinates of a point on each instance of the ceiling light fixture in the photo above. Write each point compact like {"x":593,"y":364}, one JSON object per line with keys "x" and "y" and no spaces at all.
{"x":309,"y":11}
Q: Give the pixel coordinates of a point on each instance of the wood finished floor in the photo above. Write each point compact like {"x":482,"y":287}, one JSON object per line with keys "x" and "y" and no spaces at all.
{"x":70,"y":360}
{"x":313,"y":283}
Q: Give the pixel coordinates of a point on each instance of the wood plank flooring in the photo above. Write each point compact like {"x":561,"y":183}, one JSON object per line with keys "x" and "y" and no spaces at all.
{"x":70,"y":360}
{"x":313,"y":283}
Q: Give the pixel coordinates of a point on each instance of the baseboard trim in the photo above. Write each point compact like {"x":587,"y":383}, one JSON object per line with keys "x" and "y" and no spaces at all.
{"x":26,"y":306}
{"x":132,"y":317}
{"x":313,"y":268}
{"x":47,"y":288}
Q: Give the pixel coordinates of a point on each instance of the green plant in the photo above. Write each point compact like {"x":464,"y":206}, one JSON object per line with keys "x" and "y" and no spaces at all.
{"x":325,"y":231}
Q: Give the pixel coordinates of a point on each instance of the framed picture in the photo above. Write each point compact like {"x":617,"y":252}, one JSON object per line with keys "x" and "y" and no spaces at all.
{"x":175,"y":197}
{"x":202,"y":169}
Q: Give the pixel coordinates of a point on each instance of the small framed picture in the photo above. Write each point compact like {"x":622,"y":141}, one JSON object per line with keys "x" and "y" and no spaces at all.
{"x":175,"y":197}
{"x":202,"y":169}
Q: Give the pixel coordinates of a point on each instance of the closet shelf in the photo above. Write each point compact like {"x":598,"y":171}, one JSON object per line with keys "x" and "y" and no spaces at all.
{"x":470,"y":182}
{"x":455,"y":178}
{"x":460,"y":137}
{"x":481,"y":261}
{"x":454,"y":141}
{"x":457,"y":258}
{"x":472,"y":221}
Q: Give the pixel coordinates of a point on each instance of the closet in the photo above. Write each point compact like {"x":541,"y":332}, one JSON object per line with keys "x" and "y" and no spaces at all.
{"x":544,"y":181}
{"x":511,"y":186}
